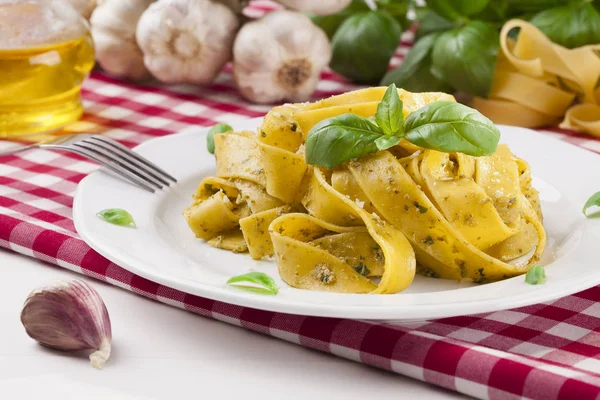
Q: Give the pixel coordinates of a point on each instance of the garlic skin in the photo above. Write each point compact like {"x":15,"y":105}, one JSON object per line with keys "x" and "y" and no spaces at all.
{"x":319,"y":7}
{"x":69,"y":316}
{"x":186,"y":41}
{"x":84,"y":7}
{"x":114,"y":24}
{"x":279,"y":57}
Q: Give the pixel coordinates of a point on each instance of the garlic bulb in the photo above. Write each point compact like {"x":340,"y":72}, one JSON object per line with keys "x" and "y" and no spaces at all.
{"x":114,"y":24}
{"x":279,"y":57}
{"x":319,"y":7}
{"x":69,"y":316}
{"x":235,"y":5}
{"x":84,"y":7}
{"x":186,"y":41}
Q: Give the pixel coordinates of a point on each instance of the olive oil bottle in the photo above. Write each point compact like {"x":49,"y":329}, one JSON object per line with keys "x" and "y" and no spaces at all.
{"x":41,"y":68}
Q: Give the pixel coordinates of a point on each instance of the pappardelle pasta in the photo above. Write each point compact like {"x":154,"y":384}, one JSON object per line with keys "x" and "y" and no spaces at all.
{"x":371,"y":223}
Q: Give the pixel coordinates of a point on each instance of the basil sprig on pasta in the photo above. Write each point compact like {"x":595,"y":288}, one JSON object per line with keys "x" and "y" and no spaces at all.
{"x":442,"y":125}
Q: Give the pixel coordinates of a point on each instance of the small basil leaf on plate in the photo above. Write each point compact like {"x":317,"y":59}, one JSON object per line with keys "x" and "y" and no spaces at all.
{"x":452,"y":127}
{"x":594,"y":200}
{"x":457,"y":9}
{"x":117,"y":216}
{"x":364,"y":44}
{"x":336,"y":140}
{"x":386,"y":141}
{"x":264,"y":284}
{"x":571,"y":26}
{"x":210,"y":138}
{"x":465,"y":58}
{"x":535,"y":275}
{"x":414,"y":74}
{"x":389,"y":115}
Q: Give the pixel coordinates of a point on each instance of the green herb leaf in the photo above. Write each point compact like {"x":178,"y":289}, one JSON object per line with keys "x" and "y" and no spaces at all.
{"x":466,"y":58}
{"x":594,"y":200}
{"x":331,"y":23}
{"x":266,"y":284}
{"x":414,"y":73}
{"x":336,"y":140}
{"x":452,"y":127}
{"x":210,"y":138}
{"x":570,"y":26}
{"x":389,"y":115}
{"x":386,"y":141}
{"x":495,"y":11}
{"x":533,"y":6}
{"x":430,"y":22}
{"x":117,"y":216}
{"x":364,"y":44}
{"x":457,"y":9}
{"x":535,"y":275}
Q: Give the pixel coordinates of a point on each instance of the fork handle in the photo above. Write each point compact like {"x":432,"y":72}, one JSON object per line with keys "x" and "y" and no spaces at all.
{"x":17,"y":150}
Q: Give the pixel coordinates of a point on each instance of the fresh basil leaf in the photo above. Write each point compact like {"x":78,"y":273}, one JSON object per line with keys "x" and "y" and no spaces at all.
{"x":452,"y":127}
{"x":457,"y":9}
{"x":387,"y":141}
{"x":210,"y":138}
{"x":389,"y":115}
{"x":495,"y":11}
{"x":266,"y":284}
{"x":364,"y":44}
{"x":535,"y":275}
{"x":430,"y":22}
{"x":396,"y":8}
{"x":336,"y":140}
{"x":570,"y":26}
{"x":533,"y":6}
{"x":331,"y":23}
{"x":117,"y":216}
{"x":594,"y":200}
{"x":466,"y":58}
{"x":414,"y":73}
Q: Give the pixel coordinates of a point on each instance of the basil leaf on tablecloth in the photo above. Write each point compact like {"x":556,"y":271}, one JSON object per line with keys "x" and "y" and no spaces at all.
{"x":414,"y":73}
{"x":265,"y":284}
{"x":456,"y":9}
{"x":452,"y":127}
{"x":594,"y":200}
{"x":331,"y":23}
{"x":364,"y":44}
{"x":117,"y":216}
{"x":495,"y":11}
{"x":570,"y":26}
{"x":389,"y":115}
{"x":210,"y":138}
{"x":535,"y":275}
{"x":336,"y":140}
{"x":466,"y":57}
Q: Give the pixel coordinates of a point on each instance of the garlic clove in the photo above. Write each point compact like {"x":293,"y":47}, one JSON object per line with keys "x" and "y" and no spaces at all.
{"x":186,"y":41}
{"x":69,"y":316}
{"x":319,"y":7}
{"x":84,"y":7}
{"x":280,"y":57}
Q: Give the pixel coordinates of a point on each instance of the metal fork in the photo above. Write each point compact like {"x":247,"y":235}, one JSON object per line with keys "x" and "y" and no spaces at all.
{"x":110,"y":154}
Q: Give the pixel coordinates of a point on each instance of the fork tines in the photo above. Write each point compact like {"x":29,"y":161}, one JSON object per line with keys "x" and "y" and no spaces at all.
{"x":125,"y":162}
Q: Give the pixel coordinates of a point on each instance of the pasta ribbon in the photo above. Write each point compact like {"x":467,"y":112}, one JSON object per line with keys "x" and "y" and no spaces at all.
{"x":539,"y":83}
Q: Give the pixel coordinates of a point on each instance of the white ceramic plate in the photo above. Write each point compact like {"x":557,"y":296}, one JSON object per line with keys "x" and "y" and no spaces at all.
{"x":164,"y":250}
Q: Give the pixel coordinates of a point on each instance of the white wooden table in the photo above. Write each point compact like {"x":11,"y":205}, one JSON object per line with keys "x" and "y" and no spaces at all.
{"x":160,"y":352}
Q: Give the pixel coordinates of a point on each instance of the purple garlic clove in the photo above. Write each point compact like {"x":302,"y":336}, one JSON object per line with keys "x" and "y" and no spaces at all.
{"x":69,"y":316}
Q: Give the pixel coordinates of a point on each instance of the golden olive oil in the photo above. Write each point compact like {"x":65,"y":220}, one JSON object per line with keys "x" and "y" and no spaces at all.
{"x":40,"y":87}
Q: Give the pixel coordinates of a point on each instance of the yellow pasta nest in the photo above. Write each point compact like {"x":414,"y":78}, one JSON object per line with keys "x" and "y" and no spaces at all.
{"x":386,"y":215}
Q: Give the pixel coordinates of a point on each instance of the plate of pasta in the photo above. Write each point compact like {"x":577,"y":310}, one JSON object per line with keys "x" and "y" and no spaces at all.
{"x":376,"y":204}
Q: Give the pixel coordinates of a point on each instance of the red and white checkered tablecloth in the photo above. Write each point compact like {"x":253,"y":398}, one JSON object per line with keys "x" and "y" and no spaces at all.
{"x":545,"y":351}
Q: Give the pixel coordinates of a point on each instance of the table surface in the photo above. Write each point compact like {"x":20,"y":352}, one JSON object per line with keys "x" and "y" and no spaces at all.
{"x":160,"y":352}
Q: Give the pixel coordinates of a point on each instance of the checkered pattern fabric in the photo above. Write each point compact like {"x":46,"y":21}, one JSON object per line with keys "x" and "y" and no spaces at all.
{"x":545,"y":351}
